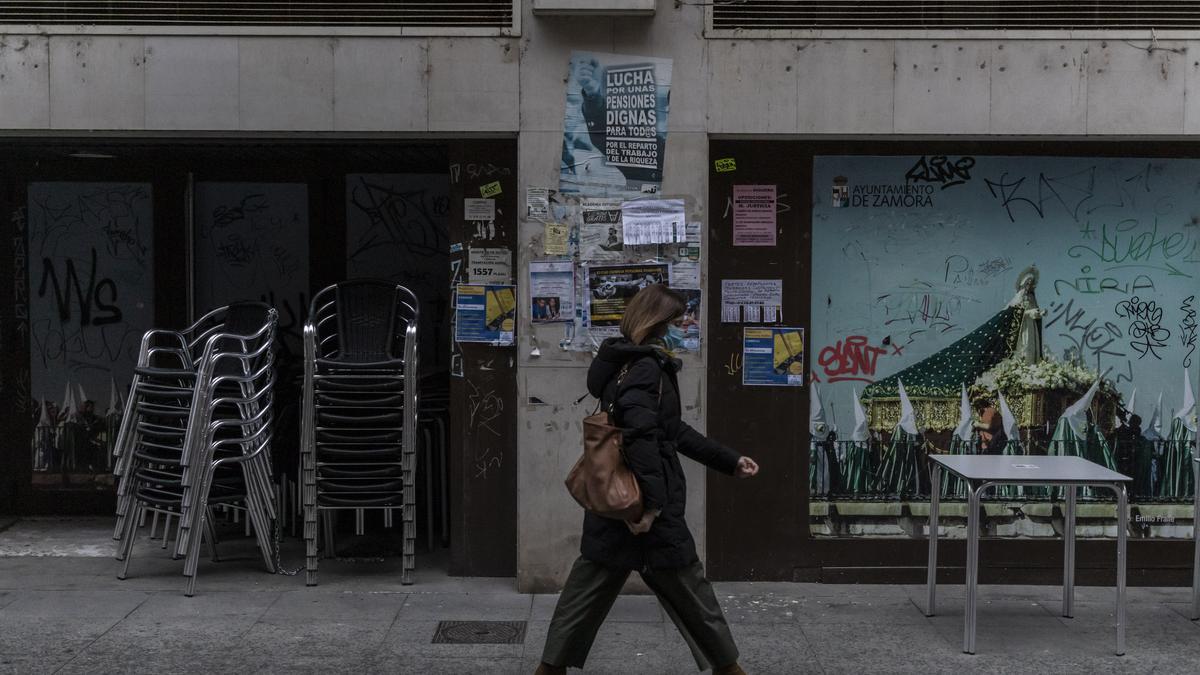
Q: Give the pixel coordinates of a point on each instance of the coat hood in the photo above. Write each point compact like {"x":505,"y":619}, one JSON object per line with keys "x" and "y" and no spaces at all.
{"x":615,"y":353}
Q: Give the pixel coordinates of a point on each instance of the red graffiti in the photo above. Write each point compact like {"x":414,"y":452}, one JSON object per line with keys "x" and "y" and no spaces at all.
{"x":851,"y":359}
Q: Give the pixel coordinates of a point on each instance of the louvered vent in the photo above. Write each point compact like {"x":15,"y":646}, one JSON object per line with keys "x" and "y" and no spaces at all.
{"x":756,"y":15}
{"x":416,"y":13}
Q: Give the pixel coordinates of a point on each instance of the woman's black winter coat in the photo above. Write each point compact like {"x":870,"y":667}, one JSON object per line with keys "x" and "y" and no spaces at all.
{"x":647,"y":408}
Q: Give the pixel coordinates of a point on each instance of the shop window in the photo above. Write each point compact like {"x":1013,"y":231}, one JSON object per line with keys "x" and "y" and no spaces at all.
{"x":90,"y":259}
{"x":1026,"y":285}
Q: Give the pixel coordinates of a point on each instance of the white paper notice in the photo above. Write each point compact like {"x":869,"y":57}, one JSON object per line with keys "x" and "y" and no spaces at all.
{"x":600,"y":232}
{"x":685,"y":274}
{"x":552,"y":291}
{"x":654,"y":221}
{"x":479,"y":209}
{"x":751,"y":300}
{"x":537,"y":203}
{"x":489,"y":266}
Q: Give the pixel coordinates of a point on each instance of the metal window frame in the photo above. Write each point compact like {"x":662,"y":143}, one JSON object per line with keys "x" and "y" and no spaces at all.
{"x":281,"y":30}
{"x":937,"y":34}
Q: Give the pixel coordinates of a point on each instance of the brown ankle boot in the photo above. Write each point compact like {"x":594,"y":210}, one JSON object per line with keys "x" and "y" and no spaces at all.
{"x":731,"y":669}
{"x":547,"y":669}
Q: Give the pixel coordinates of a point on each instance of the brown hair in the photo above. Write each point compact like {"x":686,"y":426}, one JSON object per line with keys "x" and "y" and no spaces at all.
{"x":652,"y":308}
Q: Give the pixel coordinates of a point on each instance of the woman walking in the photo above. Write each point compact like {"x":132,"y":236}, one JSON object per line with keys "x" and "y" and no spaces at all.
{"x":638,"y":374}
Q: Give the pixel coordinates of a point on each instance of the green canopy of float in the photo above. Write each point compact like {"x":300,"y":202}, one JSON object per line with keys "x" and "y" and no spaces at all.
{"x":962,"y":362}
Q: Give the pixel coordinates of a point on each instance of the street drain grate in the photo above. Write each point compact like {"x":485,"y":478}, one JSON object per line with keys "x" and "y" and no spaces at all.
{"x":480,"y":633}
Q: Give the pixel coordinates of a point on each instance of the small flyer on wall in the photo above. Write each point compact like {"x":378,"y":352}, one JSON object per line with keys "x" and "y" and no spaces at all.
{"x":486,"y":314}
{"x":552,"y":291}
{"x":751,"y":300}
{"x":654,"y":221}
{"x":489,"y":265}
{"x":753,"y":215}
{"x":690,"y":324}
{"x":610,"y":287}
{"x":773,"y":357}
{"x":600,"y":235}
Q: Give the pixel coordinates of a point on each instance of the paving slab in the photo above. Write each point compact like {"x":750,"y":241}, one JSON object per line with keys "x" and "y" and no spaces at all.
{"x":865,"y":648}
{"x":166,"y":604}
{"x":32,"y":635}
{"x":414,"y":664}
{"x":626,"y":608}
{"x":71,"y":615}
{"x":310,"y":603}
{"x":509,"y":606}
{"x":35,"y":664}
{"x":311,"y":637}
{"x":75,"y":603}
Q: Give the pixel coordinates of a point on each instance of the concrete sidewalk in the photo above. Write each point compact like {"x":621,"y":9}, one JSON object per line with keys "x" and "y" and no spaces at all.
{"x":63,"y":610}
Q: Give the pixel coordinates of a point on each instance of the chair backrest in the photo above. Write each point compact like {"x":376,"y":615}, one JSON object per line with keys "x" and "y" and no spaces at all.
{"x":364,"y":320}
{"x":366,"y":317}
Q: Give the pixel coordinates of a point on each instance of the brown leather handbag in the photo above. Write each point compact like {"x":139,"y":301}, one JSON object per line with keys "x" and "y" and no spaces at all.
{"x":600,"y":481}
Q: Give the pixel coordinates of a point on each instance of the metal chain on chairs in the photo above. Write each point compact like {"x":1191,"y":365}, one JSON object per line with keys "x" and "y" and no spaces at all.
{"x":279,"y":568}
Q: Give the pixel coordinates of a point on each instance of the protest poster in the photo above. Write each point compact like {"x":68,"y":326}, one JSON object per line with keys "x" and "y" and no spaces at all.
{"x":552,"y":291}
{"x":615,"y":125}
{"x":486,"y":314}
{"x":773,"y":357}
{"x":611,"y":287}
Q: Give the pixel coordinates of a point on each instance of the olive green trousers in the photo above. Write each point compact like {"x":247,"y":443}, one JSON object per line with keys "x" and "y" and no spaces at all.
{"x":685,"y":594}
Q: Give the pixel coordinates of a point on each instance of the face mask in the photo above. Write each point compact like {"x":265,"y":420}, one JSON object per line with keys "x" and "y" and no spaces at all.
{"x":674,"y":337}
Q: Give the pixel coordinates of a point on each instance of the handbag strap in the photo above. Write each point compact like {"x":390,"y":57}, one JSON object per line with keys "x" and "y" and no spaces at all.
{"x":612,"y":405}
{"x":617,"y":390}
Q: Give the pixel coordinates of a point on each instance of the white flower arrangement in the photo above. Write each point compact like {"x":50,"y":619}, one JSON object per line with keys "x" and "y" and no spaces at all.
{"x":1015,"y":377}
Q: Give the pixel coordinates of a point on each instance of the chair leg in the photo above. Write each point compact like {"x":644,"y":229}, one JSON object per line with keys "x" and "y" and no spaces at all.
{"x":328,"y":539}
{"x":166,"y":537}
{"x":443,"y":474}
{"x":427,"y":461}
{"x":210,"y":529}
{"x":128,"y":539}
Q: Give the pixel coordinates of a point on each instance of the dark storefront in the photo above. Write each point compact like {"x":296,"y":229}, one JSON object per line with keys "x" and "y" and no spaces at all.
{"x":106,"y":240}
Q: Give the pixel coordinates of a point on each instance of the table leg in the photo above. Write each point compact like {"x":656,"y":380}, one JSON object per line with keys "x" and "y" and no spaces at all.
{"x":1196,"y":544}
{"x":1122,"y":526}
{"x":934,"y":495}
{"x":1069,"y":553}
{"x":972,"y":567}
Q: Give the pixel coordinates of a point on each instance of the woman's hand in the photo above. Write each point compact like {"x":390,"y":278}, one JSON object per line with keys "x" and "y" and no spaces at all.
{"x":746,"y":467}
{"x":642,"y":525}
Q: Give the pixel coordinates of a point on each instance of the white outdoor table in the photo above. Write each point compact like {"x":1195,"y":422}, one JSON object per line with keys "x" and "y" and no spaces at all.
{"x":981,"y":472}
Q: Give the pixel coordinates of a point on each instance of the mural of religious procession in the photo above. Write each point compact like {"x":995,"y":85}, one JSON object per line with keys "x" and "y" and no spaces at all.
{"x":1058,"y":289}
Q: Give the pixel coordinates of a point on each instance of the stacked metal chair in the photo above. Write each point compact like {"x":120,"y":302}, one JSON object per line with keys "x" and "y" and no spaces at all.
{"x":359,"y":412}
{"x":434,"y":422}
{"x":196,"y":432}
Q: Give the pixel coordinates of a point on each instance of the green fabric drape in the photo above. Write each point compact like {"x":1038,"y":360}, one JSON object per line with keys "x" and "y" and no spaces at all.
{"x":900,"y":470}
{"x":818,"y":469}
{"x":1012,"y":449}
{"x":952,"y":486}
{"x":1094,"y":449}
{"x":1177,"y":479}
{"x":859,"y":468}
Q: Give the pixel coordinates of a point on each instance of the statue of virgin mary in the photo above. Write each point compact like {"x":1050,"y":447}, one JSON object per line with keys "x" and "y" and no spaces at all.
{"x":1029,"y":340}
